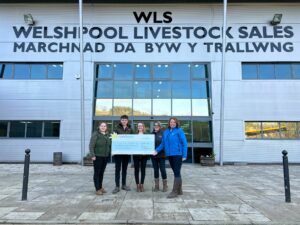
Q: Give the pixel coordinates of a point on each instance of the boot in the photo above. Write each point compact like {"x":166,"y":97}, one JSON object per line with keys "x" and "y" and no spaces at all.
{"x":180,"y":187}
{"x":142,"y":187}
{"x":156,"y":185}
{"x":165,"y":185}
{"x":103,"y":191}
{"x":176,"y":187}
{"x":138,"y":188}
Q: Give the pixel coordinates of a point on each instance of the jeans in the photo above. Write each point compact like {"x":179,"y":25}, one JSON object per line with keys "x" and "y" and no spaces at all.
{"x":99,"y":168}
{"x":159,"y":164}
{"x":140,"y":161}
{"x":121,"y":160}
{"x":175,"y":163}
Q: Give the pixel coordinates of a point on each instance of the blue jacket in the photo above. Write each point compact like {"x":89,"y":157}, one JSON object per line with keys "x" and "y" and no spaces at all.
{"x":174,"y":142}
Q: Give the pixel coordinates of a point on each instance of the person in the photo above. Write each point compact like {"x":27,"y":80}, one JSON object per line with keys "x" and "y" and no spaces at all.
{"x":140,"y":162}
{"x":121,"y":161}
{"x":175,"y":145}
{"x":159,"y":161}
{"x":100,"y":147}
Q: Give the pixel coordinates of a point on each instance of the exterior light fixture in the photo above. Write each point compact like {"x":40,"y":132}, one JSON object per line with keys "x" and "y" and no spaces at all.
{"x":28,"y":19}
{"x":276,"y":19}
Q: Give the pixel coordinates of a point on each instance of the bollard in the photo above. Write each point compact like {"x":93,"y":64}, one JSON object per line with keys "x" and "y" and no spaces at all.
{"x":26,"y":174}
{"x":286,"y":176}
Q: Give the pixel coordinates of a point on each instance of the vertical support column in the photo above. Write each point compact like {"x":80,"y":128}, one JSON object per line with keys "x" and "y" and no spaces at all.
{"x":26,"y":175}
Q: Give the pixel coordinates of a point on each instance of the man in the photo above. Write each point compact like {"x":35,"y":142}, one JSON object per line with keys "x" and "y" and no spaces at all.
{"x":121,"y":161}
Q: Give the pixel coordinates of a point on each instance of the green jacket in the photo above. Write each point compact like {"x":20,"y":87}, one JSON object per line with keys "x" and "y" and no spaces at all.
{"x":120,"y":130}
{"x":100,"y":144}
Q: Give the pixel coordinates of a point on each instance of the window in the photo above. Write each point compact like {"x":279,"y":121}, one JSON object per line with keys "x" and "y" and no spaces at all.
{"x":272,"y":130}
{"x":269,"y":71}
{"x":29,"y":129}
{"x":35,"y":71}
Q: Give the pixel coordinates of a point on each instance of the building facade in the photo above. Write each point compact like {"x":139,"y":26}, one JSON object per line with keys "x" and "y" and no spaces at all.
{"x":151,"y":62}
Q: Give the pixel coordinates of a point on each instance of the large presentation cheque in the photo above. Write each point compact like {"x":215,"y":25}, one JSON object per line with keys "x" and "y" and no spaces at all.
{"x":133,"y":144}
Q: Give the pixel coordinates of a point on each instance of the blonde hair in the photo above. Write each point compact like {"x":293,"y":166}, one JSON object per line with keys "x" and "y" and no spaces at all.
{"x":143,"y":127}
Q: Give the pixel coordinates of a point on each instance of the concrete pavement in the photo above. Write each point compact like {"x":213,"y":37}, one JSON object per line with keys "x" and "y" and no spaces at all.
{"x":251,"y":194}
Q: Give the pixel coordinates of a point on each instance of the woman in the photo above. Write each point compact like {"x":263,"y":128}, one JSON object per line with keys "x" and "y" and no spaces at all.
{"x":140,"y":162}
{"x":100,"y":147}
{"x":159,"y":161}
{"x":175,"y":145}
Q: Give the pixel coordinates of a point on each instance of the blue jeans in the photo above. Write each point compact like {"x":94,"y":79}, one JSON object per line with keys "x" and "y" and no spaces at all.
{"x":159,"y":164}
{"x":175,"y":163}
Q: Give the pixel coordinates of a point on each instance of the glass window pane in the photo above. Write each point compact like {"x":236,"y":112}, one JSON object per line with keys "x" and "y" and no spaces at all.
{"x":288,"y":130}
{"x":104,"y":89}
{"x":122,"y":107}
{"x":17,"y":129}
{"x":181,"y":71}
{"x":22,"y":71}
{"x":296,"y":70}
{"x":249,"y":71}
{"x":252,"y":130}
{"x":161,"y":71}
{"x":51,"y":128}
{"x":123,"y":89}
{"x":6,"y":71}
{"x":123,"y":71}
{"x":161,"y":107}
{"x":283,"y":71}
{"x":202,"y":131}
{"x":142,"y":89}
{"x":3,"y":128}
{"x":38,"y":71}
{"x":103,"y":107}
{"x":181,"y":107}
{"x":161,"y":89}
{"x":181,"y":89}
{"x":266,"y":71}
{"x":142,"y":71}
{"x":34,"y":129}
{"x":186,"y":127}
{"x":270,"y":130}
{"x":200,"y":107}
{"x":55,"y":71}
{"x":104,"y":71}
{"x":200,"y":89}
{"x":142,"y":107}
{"x":199,"y":71}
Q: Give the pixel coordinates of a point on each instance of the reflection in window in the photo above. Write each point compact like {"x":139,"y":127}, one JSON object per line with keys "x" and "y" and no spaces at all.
{"x":123,"y":71}
{"x":55,"y":71}
{"x":249,"y":71}
{"x":104,"y":71}
{"x":161,"y":71}
{"x":186,"y":127}
{"x":6,"y":71}
{"x":34,"y":129}
{"x":38,"y":71}
{"x":3,"y":128}
{"x":253,"y":130}
{"x":161,"y":107}
{"x":142,"y":89}
{"x":181,"y":71}
{"x":122,"y":106}
{"x":296,"y":70}
{"x":181,"y":89}
{"x":202,"y":131}
{"x":199,"y":71}
{"x":22,"y":71}
{"x":104,"y":89}
{"x":142,"y":71}
{"x":288,"y":130}
{"x":266,"y":71}
{"x":51,"y":129}
{"x":17,"y":129}
{"x":181,"y":107}
{"x":123,"y":89}
{"x":103,"y":107}
{"x":142,"y":107}
{"x":200,"y":107}
{"x":270,"y":130}
{"x":200,"y":89}
{"x":283,"y":71}
{"x":161,"y":89}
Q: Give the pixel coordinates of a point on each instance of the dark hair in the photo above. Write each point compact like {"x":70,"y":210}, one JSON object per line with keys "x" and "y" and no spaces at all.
{"x":176,"y":121}
{"x":124,"y":117}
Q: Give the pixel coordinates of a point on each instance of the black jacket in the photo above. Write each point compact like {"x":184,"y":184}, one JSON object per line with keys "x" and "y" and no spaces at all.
{"x":158,"y":139}
{"x":120,"y":130}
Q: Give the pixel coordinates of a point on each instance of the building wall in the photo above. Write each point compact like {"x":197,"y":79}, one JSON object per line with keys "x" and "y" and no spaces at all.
{"x":261,"y":100}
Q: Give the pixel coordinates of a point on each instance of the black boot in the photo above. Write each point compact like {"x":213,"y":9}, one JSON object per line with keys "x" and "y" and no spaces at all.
{"x":176,"y":187}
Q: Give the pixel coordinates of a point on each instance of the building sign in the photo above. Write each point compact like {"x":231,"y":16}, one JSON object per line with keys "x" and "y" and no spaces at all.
{"x":153,"y":35}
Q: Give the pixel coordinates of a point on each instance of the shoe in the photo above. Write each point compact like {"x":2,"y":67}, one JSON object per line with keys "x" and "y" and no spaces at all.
{"x":156,"y":185}
{"x":142,"y":188}
{"x":165,"y":185}
{"x":99,"y":192}
{"x":176,"y":186}
{"x":125,"y":188}
{"x":116,"y":190}
{"x":103,"y":191}
{"x":138,"y":188}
